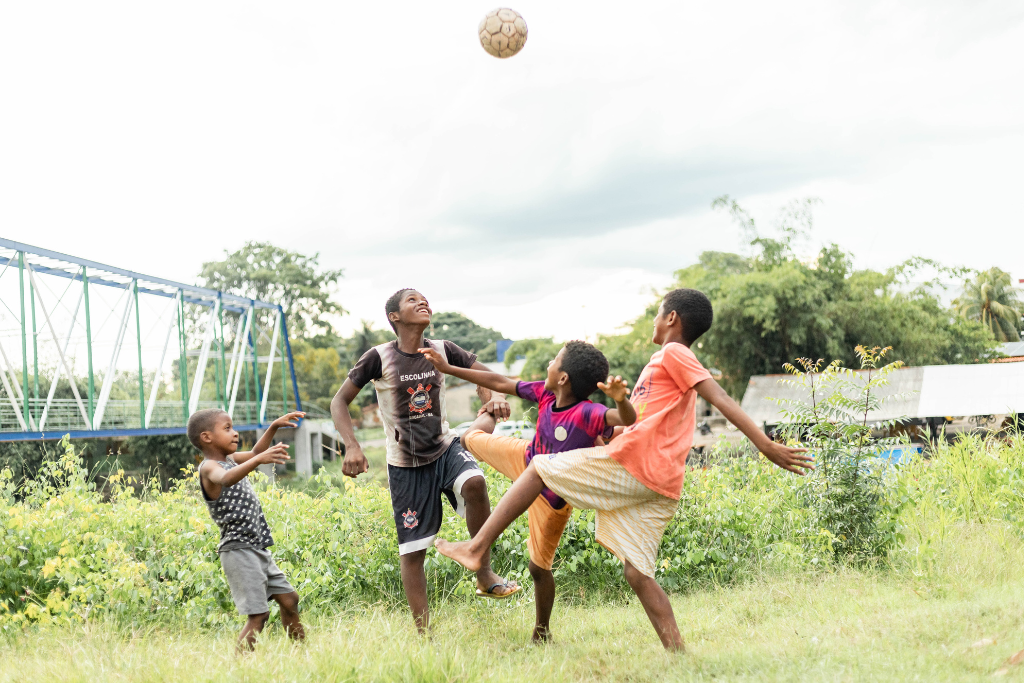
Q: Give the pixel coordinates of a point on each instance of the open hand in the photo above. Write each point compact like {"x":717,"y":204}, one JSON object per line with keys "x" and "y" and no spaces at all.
{"x":615,"y":387}
{"x":795,"y":460}
{"x":275,"y":455}
{"x":289,"y":420}
{"x":436,"y":359}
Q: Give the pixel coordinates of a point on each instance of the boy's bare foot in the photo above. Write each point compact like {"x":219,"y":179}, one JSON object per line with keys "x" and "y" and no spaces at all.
{"x":461,"y":553}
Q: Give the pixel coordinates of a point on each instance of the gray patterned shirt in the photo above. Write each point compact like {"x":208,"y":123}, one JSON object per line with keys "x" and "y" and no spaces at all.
{"x":238,"y":513}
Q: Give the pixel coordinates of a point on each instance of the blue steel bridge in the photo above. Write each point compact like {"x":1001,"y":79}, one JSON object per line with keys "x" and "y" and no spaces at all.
{"x":98,"y":351}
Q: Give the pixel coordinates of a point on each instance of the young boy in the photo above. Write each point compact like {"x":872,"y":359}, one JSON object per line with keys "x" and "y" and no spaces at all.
{"x":252,"y":575}
{"x":635,"y":481}
{"x":566,"y":420}
{"x":425,"y":458}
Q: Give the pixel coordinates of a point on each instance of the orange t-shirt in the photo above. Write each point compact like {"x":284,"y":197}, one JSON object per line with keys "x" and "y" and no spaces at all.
{"x":654,"y":448}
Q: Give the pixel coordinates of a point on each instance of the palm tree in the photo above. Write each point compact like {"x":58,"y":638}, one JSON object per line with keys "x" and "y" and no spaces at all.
{"x":991,"y":298}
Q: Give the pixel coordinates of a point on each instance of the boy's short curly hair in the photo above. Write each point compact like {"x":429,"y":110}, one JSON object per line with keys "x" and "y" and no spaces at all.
{"x":586,"y":366}
{"x":391,"y":305}
{"x":694,"y":310}
{"x":202,"y":421}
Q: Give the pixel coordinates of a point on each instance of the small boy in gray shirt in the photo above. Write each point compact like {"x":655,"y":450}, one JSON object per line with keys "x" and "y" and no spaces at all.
{"x":249,"y":567}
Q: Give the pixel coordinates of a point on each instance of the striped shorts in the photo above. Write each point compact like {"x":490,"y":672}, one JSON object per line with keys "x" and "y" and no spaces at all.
{"x":631,"y":518}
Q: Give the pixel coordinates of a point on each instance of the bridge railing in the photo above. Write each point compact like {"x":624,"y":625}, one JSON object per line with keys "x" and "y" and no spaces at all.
{"x":65,"y":416}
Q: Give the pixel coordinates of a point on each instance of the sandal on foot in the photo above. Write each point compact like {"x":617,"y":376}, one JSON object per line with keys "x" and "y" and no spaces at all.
{"x":489,"y":593}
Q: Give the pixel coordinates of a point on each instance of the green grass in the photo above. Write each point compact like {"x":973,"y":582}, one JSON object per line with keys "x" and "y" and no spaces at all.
{"x":894,"y":623}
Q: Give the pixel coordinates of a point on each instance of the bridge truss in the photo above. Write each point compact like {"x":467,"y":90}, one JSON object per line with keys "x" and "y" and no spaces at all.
{"x":67,"y":328}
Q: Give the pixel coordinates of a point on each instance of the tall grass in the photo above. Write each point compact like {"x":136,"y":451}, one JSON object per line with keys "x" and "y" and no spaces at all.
{"x":69,"y":554}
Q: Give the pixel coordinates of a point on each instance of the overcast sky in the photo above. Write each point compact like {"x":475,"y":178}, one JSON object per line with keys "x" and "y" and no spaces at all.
{"x":545,"y":194}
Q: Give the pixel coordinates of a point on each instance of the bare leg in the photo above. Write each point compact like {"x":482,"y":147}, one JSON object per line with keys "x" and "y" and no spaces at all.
{"x":414,"y":581}
{"x":289,"y":604}
{"x":544,"y":594}
{"x":478,"y":509}
{"x":471,"y":554}
{"x":657,"y":606}
{"x":253,"y":627}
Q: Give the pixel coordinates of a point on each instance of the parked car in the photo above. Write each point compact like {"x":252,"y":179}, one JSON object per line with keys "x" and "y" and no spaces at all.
{"x":462,"y":428}
{"x":520,"y":429}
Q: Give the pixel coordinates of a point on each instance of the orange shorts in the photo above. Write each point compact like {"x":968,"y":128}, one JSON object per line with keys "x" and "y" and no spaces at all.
{"x":508,"y":456}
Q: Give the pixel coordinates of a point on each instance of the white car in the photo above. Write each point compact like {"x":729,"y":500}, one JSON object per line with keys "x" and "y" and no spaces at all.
{"x":462,"y":428}
{"x":519,"y":429}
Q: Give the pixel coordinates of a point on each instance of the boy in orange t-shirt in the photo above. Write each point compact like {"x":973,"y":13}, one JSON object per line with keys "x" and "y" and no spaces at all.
{"x":634,"y":482}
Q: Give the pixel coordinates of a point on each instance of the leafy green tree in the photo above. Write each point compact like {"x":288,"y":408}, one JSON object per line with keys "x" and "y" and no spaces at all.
{"x":538,"y":353}
{"x":772,"y":307}
{"x":318,"y":372}
{"x":260,"y":270}
{"x":991,"y":298}
{"x":458,"y":328}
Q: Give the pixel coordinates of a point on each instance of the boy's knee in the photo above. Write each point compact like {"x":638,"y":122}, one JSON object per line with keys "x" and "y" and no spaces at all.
{"x":474,"y":488}
{"x":259,"y":620}
{"x":634,"y":577}
{"x":537,"y":572}
{"x":288,"y":602}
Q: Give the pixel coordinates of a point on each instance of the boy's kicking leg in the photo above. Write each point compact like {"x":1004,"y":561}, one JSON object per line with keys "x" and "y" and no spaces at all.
{"x":656,"y":603}
{"x":471,"y":554}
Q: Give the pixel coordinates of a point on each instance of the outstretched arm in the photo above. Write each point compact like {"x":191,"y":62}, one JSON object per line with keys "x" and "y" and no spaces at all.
{"x":289,"y":420}
{"x":623,"y":414}
{"x":354,"y":463}
{"x":478,"y":374}
{"x":219,"y":477}
{"x":793,"y":459}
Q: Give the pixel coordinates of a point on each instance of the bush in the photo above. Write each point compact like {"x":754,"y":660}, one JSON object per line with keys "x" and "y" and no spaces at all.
{"x":852,"y":494}
{"x":139,"y":554}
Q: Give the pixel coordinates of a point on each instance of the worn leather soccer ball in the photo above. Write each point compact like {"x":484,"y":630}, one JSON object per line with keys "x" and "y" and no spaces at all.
{"x":502,"y":32}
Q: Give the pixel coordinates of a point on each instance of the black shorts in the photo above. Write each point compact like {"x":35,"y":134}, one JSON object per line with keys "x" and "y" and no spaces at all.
{"x":416,"y":495}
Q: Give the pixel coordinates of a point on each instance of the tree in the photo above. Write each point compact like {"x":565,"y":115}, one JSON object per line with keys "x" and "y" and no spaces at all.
{"x":537,"y":352}
{"x":457,"y":328}
{"x":991,"y":299}
{"x":772,"y":307}
{"x":259,"y":270}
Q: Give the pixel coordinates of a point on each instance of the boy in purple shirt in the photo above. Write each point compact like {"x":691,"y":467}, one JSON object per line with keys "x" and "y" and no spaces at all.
{"x":566,"y":420}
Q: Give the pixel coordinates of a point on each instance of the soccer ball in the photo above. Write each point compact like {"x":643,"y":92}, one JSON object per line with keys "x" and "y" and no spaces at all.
{"x":502,"y":32}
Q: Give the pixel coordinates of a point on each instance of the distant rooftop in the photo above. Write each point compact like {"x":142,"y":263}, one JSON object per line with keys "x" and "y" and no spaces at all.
{"x":918,"y":392}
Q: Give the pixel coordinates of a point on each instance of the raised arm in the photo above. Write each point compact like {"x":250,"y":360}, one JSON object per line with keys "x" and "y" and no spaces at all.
{"x":219,"y":477}
{"x":793,"y":459}
{"x":354,"y":463}
{"x":265,"y":441}
{"x":478,"y":374}
{"x":623,"y":414}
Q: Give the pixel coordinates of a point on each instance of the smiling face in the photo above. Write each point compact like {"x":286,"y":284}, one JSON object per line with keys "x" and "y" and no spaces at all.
{"x":222,"y":436}
{"x":555,"y":376}
{"x":413,"y":310}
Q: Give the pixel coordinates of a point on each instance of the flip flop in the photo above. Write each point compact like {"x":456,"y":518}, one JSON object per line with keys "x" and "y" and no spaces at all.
{"x":489,"y":593}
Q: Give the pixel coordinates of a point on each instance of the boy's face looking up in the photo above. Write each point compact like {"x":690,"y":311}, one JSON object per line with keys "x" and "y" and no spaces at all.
{"x":665,"y":325}
{"x":413,"y":310}
{"x":556,"y":377}
{"x":222,"y":438}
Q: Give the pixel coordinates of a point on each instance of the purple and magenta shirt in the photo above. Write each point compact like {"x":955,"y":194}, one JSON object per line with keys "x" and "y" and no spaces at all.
{"x":561,"y":429}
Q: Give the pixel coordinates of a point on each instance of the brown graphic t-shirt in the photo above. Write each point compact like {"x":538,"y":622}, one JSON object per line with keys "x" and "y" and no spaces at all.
{"x":410,"y":392}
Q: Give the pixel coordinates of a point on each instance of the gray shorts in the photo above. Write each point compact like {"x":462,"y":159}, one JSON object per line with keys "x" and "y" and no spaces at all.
{"x":253,"y":577}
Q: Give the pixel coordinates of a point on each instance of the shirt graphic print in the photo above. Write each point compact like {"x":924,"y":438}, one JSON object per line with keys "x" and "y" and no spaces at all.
{"x":238,"y":512}
{"x":561,"y":429}
{"x":410,"y":393}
